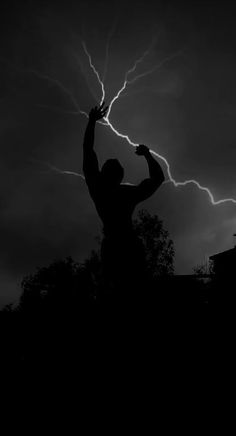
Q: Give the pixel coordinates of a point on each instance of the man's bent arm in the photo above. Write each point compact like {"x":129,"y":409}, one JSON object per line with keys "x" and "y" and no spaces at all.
{"x":156,"y":176}
{"x":155,"y":170}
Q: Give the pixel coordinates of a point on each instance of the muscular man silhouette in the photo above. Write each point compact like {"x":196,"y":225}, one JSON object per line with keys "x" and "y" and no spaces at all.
{"x":122,"y":251}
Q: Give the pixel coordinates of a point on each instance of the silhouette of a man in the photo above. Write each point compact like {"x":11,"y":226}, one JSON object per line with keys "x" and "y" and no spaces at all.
{"x":122,"y":251}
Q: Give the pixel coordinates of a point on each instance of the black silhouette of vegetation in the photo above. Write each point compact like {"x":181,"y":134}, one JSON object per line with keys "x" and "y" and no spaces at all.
{"x":66,"y":284}
{"x":159,"y":248}
{"x":62,"y":284}
{"x":66,"y":322}
{"x":64,"y":303}
{"x":204,"y":269}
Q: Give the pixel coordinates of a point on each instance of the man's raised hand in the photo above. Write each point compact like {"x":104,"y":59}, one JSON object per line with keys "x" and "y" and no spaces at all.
{"x":97,"y":113}
{"x":142,"y":150}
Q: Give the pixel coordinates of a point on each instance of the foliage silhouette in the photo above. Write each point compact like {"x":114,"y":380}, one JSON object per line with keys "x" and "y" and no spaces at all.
{"x":159,"y":248}
{"x":61,"y":286}
{"x":66,"y":284}
{"x":63,"y":323}
{"x":206,"y":268}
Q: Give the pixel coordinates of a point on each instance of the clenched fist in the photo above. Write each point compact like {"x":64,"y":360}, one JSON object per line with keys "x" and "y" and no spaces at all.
{"x":142,"y":150}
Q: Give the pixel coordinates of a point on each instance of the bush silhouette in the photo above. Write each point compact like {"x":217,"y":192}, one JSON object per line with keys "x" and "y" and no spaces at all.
{"x":65,"y":284}
{"x":61,"y":286}
{"x":159,"y":248}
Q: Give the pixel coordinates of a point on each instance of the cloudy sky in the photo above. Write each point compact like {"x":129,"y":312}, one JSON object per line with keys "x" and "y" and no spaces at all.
{"x":185,"y":111}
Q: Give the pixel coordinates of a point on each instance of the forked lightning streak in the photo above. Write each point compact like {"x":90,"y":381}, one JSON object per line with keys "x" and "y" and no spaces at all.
{"x":126,"y":137}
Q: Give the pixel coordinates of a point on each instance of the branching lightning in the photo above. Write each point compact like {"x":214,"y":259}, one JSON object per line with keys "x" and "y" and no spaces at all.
{"x":155,"y":68}
{"x":51,"y":81}
{"x":127,"y":82}
{"x":95,"y":71}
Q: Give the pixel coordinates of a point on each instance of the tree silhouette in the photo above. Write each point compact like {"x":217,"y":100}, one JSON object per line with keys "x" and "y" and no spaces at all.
{"x":159,"y":248}
{"x":206,"y":268}
{"x":59,"y":287}
{"x":65,"y":284}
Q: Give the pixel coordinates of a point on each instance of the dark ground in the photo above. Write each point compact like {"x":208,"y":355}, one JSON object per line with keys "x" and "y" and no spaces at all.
{"x":110,"y":329}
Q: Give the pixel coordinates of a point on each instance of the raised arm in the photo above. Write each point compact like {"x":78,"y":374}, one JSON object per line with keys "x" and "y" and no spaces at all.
{"x":90,"y":160}
{"x":156,"y":176}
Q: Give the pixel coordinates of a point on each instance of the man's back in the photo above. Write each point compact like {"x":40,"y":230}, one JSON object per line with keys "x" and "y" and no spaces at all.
{"x":115,"y":206}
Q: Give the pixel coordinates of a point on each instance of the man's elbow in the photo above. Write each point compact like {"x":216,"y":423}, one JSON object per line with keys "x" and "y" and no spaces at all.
{"x":159,"y":179}
{"x":162,"y":178}
{"x":85,"y":169}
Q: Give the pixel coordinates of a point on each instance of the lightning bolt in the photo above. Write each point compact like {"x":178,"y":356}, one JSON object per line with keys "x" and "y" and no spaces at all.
{"x":127,"y":82}
{"x":80,"y":64}
{"x":122,"y":89}
{"x":95,"y":71}
{"x":58,"y":170}
{"x":67,"y":93}
{"x":155,"y":68}
{"x":51,"y":81}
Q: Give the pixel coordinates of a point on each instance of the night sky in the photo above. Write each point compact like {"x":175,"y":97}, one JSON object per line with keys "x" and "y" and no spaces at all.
{"x":185,"y":111}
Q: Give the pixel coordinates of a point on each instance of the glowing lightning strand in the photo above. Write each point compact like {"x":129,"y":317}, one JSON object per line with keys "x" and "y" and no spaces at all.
{"x":95,"y":71}
{"x":133,"y":69}
{"x":69,"y":173}
{"x":66,"y":92}
{"x":126,"y":82}
{"x":80,"y":64}
{"x":57,"y":83}
{"x":52,"y":81}
{"x":58,"y":170}
{"x":126,"y":137}
{"x":155,"y":68}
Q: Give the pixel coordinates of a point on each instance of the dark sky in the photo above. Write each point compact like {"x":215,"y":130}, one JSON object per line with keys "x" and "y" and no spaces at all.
{"x":186,"y":111}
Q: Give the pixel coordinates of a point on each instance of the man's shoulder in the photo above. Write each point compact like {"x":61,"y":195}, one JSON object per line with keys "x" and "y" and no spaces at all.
{"x":128,"y":190}
{"x":127,"y":187}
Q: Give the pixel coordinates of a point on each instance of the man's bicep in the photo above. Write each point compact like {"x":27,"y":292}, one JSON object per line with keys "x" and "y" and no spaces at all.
{"x":145,"y":189}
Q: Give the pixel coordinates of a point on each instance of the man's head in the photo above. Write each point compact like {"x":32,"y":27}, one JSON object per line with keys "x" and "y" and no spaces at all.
{"x":112,"y":172}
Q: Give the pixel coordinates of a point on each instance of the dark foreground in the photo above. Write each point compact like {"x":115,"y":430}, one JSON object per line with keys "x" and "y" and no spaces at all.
{"x":109,"y":332}
{"x":118,"y":361}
